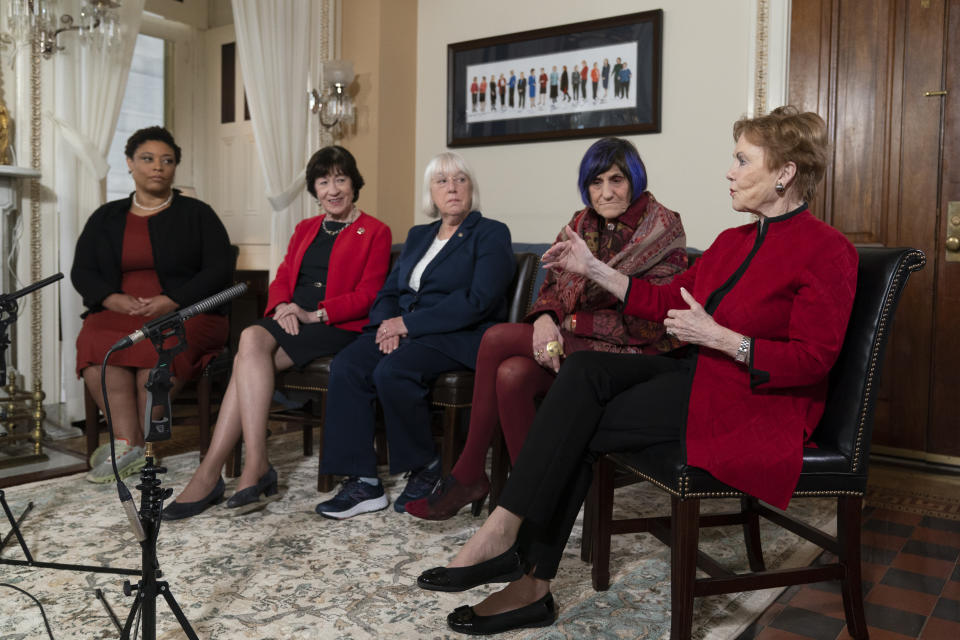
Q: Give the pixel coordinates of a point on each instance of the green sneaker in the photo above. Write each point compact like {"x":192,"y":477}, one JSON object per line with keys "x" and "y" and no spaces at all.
{"x":99,"y":454}
{"x":129,"y":461}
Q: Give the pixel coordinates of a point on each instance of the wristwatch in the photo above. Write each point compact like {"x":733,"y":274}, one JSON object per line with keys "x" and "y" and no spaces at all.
{"x":743,"y":351}
{"x":322,"y":315}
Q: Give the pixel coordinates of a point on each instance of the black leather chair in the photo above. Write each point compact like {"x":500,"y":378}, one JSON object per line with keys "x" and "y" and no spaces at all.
{"x":837,"y":468}
{"x":452,"y":392}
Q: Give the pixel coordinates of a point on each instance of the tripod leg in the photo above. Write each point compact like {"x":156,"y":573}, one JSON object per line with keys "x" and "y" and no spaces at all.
{"x":15,"y":525}
{"x":106,"y":605}
{"x":177,"y":611}
{"x":125,"y":635}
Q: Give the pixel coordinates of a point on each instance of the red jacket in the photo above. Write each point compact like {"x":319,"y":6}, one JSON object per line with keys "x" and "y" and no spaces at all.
{"x":359,"y":262}
{"x":747,"y":425}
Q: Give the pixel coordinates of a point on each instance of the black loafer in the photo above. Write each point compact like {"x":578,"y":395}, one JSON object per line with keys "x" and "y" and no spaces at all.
{"x":506,"y":567}
{"x":541,"y":613}
{"x":247,"y":500}
{"x":180,"y":510}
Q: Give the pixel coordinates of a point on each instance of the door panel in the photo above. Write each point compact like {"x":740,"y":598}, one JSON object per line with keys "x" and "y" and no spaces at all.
{"x":865,"y":66}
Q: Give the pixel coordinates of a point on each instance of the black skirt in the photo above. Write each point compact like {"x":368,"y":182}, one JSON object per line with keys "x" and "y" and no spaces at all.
{"x":315,"y":340}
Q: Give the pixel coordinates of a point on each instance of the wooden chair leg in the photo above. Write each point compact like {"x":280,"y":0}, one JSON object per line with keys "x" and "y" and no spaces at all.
{"x":91,"y":425}
{"x":849,"y":511}
{"x":751,"y":533}
{"x":448,"y":451}
{"x":203,"y":406}
{"x":602,"y":523}
{"x":307,"y":440}
{"x":499,"y":468}
{"x":589,"y":534}
{"x":325,"y":481}
{"x":684,"y":538}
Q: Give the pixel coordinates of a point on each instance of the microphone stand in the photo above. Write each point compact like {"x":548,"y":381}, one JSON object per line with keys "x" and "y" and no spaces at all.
{"x":158,"y":387}
{"x":8,"y":316}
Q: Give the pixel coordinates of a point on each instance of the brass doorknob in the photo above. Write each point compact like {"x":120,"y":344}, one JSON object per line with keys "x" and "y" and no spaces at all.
{"x":953,"y":243}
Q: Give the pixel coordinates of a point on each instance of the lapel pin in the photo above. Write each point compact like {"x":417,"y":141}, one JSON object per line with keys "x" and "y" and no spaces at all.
{"x":361,"y":231}
{"x":460,"y":234}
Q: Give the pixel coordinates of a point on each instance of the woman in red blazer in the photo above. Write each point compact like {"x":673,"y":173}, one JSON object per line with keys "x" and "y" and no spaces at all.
{"x":319,"y":300}
{"x":763,"y":312}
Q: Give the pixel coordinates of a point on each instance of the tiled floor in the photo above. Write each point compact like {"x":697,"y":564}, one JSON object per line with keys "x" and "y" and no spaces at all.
{"x":911,"y":583}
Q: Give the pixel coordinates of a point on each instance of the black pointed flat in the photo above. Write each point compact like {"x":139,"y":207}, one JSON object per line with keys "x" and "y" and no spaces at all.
{"x":247,"y":500}
{"x":541,"y":613}
{"x":180,"y":510}
{"x":506,"y":567}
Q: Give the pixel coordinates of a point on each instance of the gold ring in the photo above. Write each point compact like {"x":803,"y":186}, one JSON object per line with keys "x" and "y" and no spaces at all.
{"x":537,"y":354}
{"x":554,"y":348}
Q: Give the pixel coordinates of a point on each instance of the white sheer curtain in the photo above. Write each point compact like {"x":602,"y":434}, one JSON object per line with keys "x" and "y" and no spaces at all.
{"x":89,"y":85}
{"x":280,"y":45}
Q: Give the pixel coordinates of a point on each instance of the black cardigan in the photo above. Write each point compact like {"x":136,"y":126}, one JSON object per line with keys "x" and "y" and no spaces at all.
{"x":191,"y":252}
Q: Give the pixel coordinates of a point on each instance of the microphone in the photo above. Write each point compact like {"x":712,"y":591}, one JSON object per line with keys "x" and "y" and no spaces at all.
{"x":176,"y":317}
{"x":30,"y":288}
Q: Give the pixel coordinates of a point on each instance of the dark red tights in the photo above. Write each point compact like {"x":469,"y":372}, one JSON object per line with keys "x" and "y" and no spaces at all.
{"x":507,"y":382}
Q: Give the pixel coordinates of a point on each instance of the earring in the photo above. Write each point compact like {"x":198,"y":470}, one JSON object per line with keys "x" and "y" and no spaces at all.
{"x":780,"y":188}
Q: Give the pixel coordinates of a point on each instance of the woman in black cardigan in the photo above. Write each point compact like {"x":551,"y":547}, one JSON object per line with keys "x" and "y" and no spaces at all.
{"x":139,"y":258}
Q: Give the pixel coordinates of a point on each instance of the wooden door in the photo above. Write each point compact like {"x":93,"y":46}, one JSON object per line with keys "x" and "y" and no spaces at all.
{"x":873,"y":70}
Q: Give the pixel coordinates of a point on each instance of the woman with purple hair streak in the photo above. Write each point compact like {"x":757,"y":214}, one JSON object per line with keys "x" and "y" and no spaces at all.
{"x":627,"y":229}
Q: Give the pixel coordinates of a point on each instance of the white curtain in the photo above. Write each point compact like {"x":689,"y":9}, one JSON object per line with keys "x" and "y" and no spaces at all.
{"x":89,"y":89}
{"x":280,"y":45}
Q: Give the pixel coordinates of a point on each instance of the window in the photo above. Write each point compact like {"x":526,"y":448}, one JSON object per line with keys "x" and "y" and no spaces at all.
{"x":143,"y":106}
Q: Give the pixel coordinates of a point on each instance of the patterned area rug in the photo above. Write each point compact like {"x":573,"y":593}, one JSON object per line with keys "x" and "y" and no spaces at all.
{"x":285,"y":573}
{"x":913,"y":491}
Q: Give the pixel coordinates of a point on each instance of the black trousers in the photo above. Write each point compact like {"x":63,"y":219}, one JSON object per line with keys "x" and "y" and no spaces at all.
{"x":599,"y":403}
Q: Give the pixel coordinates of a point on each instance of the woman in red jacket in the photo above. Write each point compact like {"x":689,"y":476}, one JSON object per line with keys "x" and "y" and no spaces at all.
{"x":764,"y":312}
{"x":319,"y":300}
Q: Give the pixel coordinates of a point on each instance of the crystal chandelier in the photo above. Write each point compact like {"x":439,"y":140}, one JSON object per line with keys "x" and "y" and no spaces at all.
{"x":98,"y":25}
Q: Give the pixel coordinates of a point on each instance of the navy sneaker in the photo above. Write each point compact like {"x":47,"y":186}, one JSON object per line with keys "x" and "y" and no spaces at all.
{"x":419,"y":485}
{"x":355,"y":497}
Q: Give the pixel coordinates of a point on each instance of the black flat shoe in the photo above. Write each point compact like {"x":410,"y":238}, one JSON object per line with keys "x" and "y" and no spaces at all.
{"x":541,"y":613}
{"x":180,"y":510}
{"x":247,"y":500}
{"x":505,"y":567}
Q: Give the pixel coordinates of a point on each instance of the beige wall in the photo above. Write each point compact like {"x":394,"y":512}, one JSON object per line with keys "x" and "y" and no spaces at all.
{"x":380,"y":36}
{"x":532,"y":187}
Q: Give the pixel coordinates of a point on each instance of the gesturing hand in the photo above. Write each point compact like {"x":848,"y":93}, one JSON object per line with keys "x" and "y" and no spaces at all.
{"x":693,"y":325}
{"x":571,"y":254}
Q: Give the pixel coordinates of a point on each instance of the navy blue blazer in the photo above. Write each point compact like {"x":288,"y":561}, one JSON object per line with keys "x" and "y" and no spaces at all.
{"x":462,"y":291}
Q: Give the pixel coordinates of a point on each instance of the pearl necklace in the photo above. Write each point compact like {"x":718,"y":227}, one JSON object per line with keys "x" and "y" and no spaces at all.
{"x":159,"y":206}
{"x":354,"y":214}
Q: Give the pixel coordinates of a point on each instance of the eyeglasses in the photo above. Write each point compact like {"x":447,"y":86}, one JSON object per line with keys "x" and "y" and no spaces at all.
{"x":442,"y":181}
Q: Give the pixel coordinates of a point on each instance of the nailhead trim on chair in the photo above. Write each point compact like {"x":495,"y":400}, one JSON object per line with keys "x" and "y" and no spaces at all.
{"x":884,"y":319}
{"x":685,"y":493}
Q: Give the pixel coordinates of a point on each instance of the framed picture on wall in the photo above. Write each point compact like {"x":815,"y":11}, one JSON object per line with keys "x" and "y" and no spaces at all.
{"x":587,"y":79}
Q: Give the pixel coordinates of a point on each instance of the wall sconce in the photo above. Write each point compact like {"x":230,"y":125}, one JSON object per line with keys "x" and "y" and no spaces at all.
{"x":36,"y":20}
{"x":334,"y":105}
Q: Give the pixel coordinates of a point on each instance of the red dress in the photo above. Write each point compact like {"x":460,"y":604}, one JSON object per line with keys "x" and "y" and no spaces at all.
{"x":206,"y":333}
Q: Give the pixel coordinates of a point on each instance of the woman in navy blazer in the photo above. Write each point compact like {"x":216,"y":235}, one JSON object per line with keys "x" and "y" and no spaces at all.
{"x":448,"y":286}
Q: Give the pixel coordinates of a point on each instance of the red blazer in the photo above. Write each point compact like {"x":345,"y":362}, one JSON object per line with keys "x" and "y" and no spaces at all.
{"x":747,"y":425}
{"x":359,"y":262}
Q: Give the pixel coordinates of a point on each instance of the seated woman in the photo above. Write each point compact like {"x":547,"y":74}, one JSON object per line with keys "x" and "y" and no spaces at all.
{"x":317,"y":304}
{"x":624,"y":227}
{"x":764,"y":311}
{"x":448,"y":286}
{"x":136,"y":259}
